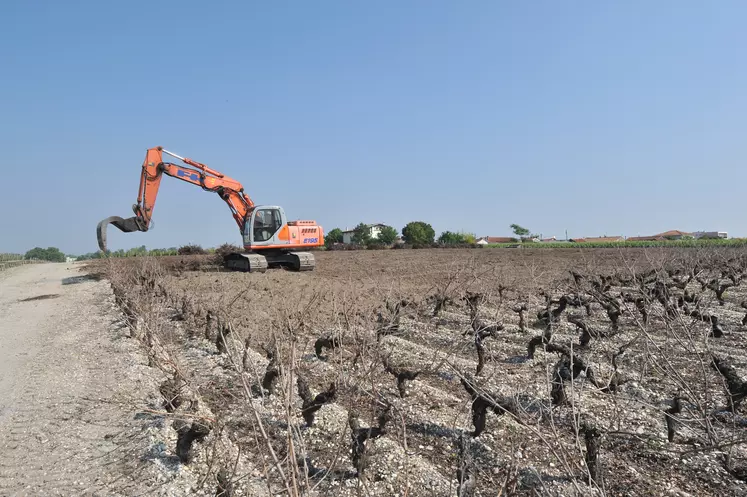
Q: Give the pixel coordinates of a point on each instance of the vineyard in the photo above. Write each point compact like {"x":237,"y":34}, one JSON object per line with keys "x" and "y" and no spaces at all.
{"x":10,"y":257}
{"x":8,"y":261}
{"x":448,"y":372}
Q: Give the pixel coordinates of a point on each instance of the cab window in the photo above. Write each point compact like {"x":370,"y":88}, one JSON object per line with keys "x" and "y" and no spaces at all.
{"x":266,"y":223}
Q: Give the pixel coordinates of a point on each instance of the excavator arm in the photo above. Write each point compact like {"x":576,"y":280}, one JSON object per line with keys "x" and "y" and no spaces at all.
{"x":230,"y":190}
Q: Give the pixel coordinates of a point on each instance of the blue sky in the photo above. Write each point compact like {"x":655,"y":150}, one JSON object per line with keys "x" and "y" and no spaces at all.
{"x":596,"y":117}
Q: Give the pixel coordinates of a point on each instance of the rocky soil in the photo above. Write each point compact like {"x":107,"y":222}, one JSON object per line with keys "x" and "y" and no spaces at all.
{"x":632,"y":406}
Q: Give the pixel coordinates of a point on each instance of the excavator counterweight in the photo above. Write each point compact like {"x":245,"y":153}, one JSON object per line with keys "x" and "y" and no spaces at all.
{"x":269,"y":239}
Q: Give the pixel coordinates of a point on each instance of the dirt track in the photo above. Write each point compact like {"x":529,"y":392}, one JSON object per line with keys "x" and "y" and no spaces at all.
{"x":66,"y":416}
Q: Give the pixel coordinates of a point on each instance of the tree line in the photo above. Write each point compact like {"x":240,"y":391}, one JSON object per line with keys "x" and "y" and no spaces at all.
{"x":415,"y":233}
{"x":140,"y":251}
{"x":51,"y":254}
{"x":54,"y":254}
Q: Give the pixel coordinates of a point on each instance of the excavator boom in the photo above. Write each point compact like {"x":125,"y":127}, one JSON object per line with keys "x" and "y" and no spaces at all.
{"x":230,"y":190}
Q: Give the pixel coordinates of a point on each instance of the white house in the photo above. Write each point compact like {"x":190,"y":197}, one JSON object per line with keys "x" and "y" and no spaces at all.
{"x":373,"y":230}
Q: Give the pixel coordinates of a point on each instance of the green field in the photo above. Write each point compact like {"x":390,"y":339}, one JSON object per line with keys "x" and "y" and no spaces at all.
{"x":733,"y":242}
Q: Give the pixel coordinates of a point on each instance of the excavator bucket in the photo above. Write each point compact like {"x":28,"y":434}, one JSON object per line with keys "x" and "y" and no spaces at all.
{"x":125,"y":225}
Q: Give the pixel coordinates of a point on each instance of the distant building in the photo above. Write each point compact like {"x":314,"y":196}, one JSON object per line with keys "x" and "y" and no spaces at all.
{"x":373,"y":230}
{"x":710,"y":234}
{"x":679,"y":235}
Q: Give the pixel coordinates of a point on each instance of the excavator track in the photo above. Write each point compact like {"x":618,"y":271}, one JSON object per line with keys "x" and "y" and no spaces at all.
{"x":298,"y":261}
{"x":294,"y":261}
{"x":247,"y":263}
{"x":259,"y":263}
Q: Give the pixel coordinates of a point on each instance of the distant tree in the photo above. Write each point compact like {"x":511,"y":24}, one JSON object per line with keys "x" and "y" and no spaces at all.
{"x":451,"y":238}
{"x":91,"y":255}
{"x":137,"y":251}
{"x":374,"y":242}
{"x":362,"y":234}
{"x":36,"y":253}
{"x":519,"y":230}
{"x":334,"y":236}
{"x":52,"y":254}
{"x":418,"y":233}
{"x":387,"y":235}
{"x":162,"y":251}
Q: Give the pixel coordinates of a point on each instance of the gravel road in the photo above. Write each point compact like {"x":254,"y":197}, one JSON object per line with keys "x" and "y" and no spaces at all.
{"x":71,"y":385}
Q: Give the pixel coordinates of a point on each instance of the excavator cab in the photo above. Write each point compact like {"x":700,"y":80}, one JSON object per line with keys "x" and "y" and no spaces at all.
{"x":263,"y":226}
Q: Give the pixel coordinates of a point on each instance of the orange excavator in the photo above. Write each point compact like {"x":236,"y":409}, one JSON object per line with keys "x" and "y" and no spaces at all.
{"x":270,"y":240}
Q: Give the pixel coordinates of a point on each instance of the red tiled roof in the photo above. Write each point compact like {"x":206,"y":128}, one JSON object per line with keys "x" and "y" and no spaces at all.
{"x":645,"y":238}
{"x":674,"y":233}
